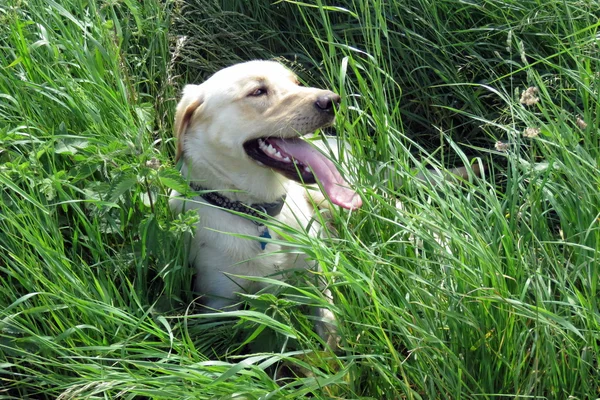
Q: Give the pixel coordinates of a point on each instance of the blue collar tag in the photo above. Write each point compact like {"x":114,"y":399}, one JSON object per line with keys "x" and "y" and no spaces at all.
{"x":265,"y":234}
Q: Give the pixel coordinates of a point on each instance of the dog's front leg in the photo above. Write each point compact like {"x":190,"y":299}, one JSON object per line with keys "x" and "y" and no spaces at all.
{"x":217,"y":291}
{"x":213,"y":281}
{"x":326,"y":326}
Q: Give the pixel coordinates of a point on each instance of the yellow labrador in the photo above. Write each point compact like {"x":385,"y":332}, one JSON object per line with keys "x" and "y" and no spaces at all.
{"x":240,"y":139}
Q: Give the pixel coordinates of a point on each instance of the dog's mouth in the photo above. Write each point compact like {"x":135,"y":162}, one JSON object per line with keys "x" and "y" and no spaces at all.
{"x":296,"y":159}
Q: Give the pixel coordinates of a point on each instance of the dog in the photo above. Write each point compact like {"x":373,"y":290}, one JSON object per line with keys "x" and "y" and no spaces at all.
{"x":240,"y":142}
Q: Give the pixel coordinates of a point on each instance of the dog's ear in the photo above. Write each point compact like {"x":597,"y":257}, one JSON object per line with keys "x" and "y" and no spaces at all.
{"x":191,"y":101}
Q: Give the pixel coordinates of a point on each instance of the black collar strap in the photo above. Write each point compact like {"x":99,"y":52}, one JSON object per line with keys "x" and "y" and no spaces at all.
{"x":217,"y":199}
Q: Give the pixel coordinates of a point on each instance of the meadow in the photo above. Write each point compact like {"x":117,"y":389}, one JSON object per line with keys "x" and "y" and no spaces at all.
{"x":482,"y":288}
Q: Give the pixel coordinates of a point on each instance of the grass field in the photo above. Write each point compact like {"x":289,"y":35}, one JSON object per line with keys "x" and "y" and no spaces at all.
{"x":482,"y":289}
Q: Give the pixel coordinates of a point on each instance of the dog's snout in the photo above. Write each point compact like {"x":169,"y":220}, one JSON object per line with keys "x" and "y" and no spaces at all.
{"x":327,"y":102}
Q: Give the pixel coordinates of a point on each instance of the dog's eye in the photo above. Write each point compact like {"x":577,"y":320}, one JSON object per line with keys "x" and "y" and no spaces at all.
{"x":259,"y":92}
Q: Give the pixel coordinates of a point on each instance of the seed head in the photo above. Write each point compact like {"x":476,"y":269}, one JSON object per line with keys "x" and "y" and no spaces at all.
{"x":528,"y":97}
{"x":531,"y":132}
{"x":502,"y":146}
{"x":581,"y":123}
{"x":153,"y":163}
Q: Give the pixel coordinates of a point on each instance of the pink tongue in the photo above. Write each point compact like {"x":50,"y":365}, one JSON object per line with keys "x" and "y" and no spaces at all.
{"x":335,"y":186}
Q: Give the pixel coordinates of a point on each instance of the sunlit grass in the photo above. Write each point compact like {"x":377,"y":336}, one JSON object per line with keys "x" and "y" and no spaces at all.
{"x":479,"y":288}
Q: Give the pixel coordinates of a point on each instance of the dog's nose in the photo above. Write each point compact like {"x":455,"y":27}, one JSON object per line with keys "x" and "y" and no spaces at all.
{"x":327,"y":102}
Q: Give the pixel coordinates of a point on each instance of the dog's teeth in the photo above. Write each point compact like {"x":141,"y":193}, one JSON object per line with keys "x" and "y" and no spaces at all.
{"x":269,"y":149}
{"x":306,"y":169}
{"x":272,"y":151}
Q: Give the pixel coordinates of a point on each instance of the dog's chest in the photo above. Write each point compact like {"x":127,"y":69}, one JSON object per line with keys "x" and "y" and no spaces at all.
{"x":235,"y":245}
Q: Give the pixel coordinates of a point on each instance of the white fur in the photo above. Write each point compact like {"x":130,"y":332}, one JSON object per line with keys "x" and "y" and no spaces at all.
{"x":213,"y":121}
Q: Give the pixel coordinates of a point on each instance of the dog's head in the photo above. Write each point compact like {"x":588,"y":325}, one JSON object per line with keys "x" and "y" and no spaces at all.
{"x":245,"y":122}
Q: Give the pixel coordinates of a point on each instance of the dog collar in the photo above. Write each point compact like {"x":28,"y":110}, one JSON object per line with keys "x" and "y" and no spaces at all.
{"x":217,"y":199}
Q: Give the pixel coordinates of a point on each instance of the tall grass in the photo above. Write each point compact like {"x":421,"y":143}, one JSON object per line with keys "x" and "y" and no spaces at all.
{"x":483,"y":288}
